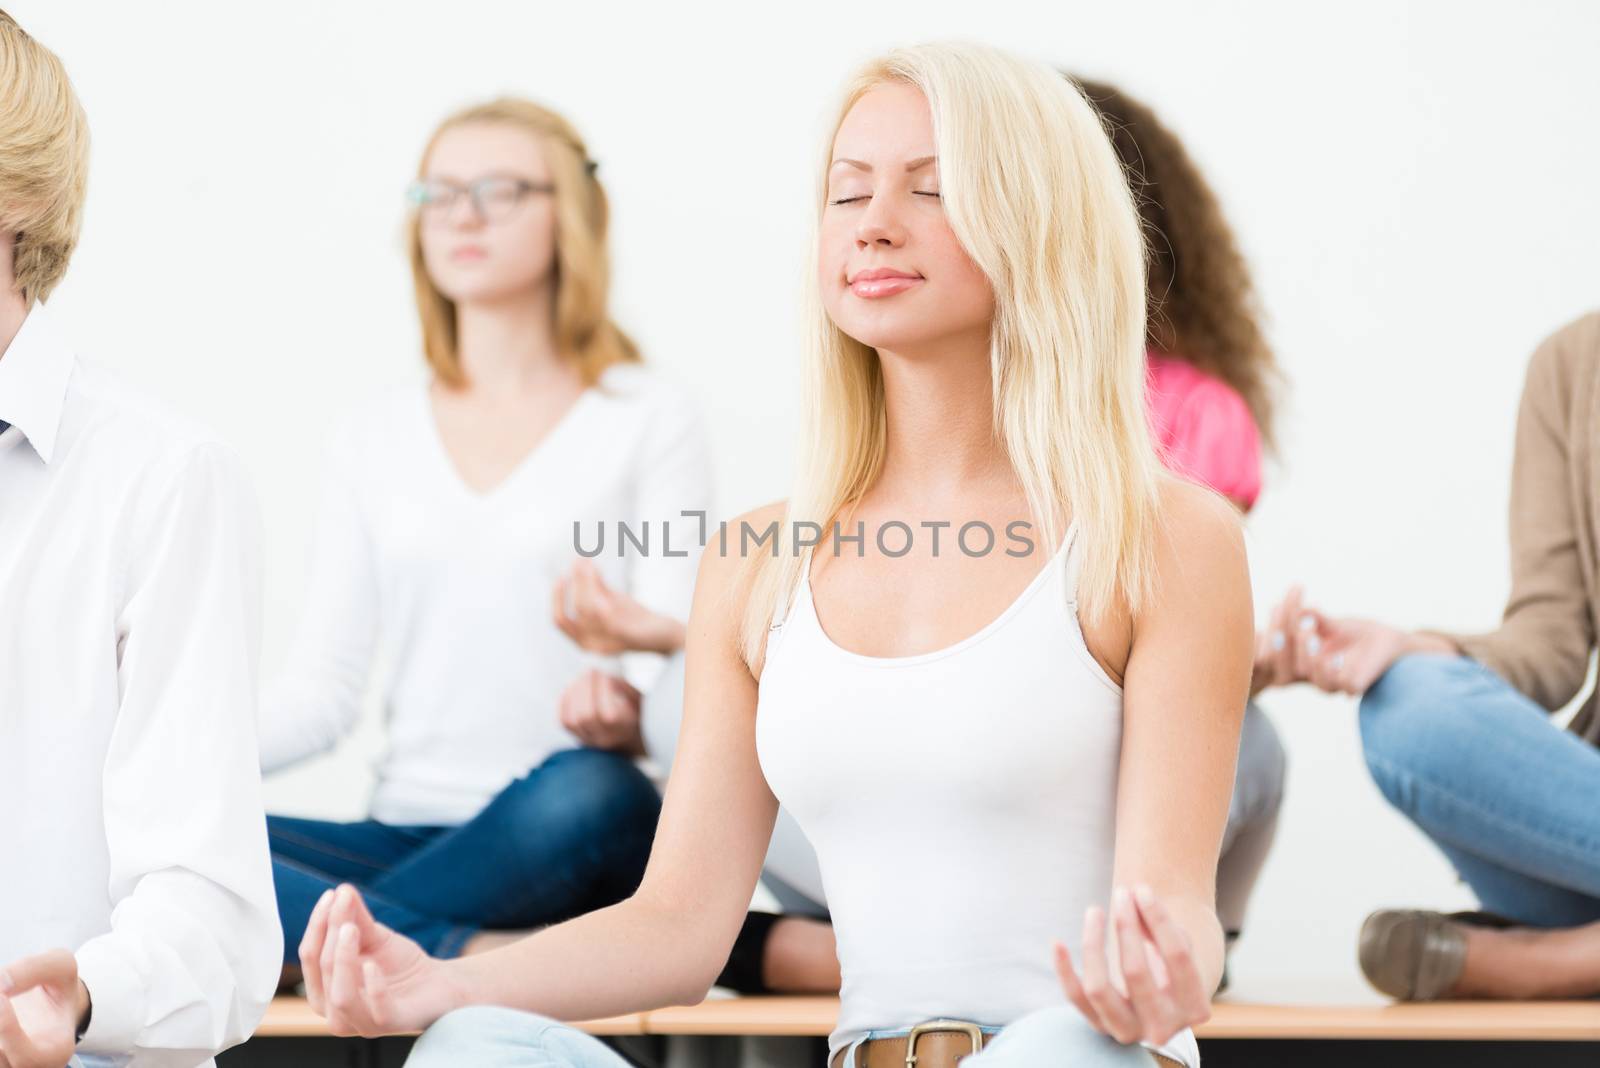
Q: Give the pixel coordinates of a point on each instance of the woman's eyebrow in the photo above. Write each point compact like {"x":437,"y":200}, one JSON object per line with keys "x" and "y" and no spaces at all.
{"x":915,"y":165}
{"x":449,"y":177}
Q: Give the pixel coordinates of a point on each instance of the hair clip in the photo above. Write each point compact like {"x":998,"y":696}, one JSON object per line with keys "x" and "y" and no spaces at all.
{"x":590,"y":166}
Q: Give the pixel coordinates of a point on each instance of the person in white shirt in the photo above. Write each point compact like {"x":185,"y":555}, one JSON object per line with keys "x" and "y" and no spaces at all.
{"x":1016,"y":773}
{"x":136,"y":909}
{"x":454,"y":521}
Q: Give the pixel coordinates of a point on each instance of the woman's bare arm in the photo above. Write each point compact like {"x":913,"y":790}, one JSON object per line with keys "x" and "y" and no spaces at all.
{"x":1185,"y":678}
{"x":1184,"y":693}
{"x":665,"y":944}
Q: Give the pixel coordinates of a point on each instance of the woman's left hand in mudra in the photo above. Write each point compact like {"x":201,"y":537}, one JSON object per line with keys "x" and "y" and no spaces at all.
{"x":1160,"y":991}
{"x":608,"y":621}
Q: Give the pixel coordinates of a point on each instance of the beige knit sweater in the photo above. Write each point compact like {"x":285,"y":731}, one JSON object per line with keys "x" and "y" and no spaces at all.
{"x":1542,"y":647}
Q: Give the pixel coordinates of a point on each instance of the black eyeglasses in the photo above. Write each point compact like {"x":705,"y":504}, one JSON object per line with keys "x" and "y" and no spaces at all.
{"x":494,"y":197}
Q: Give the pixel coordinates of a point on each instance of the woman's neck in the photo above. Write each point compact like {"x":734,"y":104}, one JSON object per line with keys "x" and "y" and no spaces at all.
{"x":509,"y":346}
{"x":941,"y":444}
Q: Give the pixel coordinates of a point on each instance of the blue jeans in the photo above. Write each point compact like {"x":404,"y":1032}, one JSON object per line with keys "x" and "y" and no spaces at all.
{"x":571,"y":836}
{"x":488,"y":1037}
{"x":1508,"y":796}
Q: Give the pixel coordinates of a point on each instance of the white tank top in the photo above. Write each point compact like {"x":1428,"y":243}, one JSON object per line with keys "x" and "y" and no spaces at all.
{"x":962,"y":804}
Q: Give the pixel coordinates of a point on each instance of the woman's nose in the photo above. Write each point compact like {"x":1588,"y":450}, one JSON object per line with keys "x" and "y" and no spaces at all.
{"x":880,"y":225}
{"x":463,"y":213}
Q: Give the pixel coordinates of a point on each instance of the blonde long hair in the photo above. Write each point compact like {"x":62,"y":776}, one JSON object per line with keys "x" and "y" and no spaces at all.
{"x":1203,"y":307}
{"x":44,"y":160}
{"x":1037,"y":198}
{"x":584,"y":330}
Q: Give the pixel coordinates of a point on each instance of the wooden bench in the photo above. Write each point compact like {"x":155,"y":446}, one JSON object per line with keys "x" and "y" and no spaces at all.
{"x":1526,"y":1021}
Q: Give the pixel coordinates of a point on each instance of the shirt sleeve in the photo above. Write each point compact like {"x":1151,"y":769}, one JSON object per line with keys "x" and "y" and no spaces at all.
{"x":194,"y":947}
{"x":672,"y":476}
{"x":1214,"y":441}
{"x":316,"y":698}
{"x":1543,"y":642}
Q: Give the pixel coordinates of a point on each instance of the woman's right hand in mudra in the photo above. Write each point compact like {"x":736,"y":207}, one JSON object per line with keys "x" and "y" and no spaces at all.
{"x":1344,"y":655}
{"x":608,"y":621}
{"x":365,"y":978}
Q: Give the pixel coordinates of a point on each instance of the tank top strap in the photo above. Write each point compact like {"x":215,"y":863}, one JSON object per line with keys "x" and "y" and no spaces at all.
{"x":783,"y":611}
{"x":1071,"y":563}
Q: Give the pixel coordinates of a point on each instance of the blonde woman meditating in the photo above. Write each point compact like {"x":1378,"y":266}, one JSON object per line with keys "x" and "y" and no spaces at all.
{"x":445,"y":552}
{"x":1002,"y":696}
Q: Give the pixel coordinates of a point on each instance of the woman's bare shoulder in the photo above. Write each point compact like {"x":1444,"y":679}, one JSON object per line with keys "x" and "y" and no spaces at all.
{"x":727,"y":551}
{"x":1196,"y":521}
{"x":727,"y":570}
{"x":1200,"y":553}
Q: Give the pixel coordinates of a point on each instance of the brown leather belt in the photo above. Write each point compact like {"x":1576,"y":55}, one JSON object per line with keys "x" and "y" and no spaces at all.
{"x":938,"y":1044}
{"x":935,"y":1044}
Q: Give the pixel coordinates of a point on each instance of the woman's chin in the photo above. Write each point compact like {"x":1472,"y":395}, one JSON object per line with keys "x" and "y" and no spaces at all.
{"x":905,"y":329}
{"x":482,"y":291}
{"x":902,"y":341}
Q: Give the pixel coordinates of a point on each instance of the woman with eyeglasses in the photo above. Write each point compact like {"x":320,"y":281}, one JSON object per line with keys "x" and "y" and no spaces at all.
{"x":507,"y":796}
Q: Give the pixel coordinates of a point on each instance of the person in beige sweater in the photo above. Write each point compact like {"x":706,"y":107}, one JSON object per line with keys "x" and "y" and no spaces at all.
{"x":1456,"y":728}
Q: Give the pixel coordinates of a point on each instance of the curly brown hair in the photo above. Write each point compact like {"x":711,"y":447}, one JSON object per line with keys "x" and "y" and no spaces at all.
{"x":1202,"y":306}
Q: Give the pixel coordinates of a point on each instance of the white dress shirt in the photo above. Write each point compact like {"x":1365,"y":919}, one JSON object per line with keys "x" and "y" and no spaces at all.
{"x":451,"y":588}
{"x":129,"y":628}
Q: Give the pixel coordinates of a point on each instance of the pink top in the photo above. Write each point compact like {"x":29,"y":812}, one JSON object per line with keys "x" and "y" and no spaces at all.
{"x":1203,"y":429}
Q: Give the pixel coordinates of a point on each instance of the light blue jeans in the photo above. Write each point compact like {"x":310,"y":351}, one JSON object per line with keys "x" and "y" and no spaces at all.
{"x":488,"y":1037}
{"x":1509,"y":797}
{"x":1057,"y":1035}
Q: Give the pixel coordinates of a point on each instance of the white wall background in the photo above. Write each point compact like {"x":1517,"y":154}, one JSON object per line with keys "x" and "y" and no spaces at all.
{"x":1416,"y":187}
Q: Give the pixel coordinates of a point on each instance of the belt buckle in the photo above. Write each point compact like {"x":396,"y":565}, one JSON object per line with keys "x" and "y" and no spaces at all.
{"x":971,"y":1030}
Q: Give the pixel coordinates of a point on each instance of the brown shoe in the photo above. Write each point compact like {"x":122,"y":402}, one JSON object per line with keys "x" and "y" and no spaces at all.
{"x":1411,"y":954}
{"x":1416,"y":955}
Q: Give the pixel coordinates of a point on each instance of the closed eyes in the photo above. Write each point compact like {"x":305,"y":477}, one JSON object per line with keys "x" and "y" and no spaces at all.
{"x":852,"y":200}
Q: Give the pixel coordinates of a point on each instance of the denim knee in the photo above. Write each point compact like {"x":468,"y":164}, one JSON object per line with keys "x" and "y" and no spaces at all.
{"x":473,"y":1035}
{"x":487,"y":1036}
{"x":1057,"y":1035}
{"x":1406,"y":713}
{"x":589,"y":791}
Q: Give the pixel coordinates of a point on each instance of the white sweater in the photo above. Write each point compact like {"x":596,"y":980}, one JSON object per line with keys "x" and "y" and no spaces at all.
{"x":457,"y":586}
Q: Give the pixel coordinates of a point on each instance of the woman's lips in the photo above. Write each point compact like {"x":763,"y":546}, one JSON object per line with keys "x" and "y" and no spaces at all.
{"x":871,"y":285}
{"x":468,"y":254}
